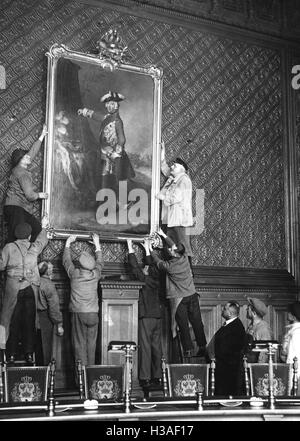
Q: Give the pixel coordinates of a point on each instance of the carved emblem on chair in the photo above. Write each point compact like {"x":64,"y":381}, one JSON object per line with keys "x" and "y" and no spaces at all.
{"x":188,"y":386}
{"x":105,"y":388}
{"x":262,"y":386}
{"x":26,"y":390}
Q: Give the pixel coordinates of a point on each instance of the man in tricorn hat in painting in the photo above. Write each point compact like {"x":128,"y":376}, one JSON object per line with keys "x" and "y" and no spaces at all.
{"x":115,"y":165}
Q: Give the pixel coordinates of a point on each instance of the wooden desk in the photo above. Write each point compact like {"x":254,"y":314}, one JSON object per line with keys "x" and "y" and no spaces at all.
{"x":164,"y":411}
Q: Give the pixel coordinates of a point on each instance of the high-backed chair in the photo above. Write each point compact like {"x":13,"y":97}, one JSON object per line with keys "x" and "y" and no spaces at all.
{"x":285,"y":378}
{"x":101,"y":382}
{"x":186,"y":380}
{"x":22,"y":384}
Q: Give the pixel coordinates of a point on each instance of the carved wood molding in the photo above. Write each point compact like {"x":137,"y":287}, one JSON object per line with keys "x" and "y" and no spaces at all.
{"x":212,"y":279}
{"x":124,"y":284}
{"x":191,"y":17}
{"x":240,"y":277}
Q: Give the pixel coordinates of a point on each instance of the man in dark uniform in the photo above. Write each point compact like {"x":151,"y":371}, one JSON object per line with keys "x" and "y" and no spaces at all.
{"x":227,"y":347}
{"x":115,"y":165}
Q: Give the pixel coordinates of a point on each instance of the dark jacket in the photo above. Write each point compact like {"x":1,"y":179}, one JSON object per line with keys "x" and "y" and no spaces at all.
{"x":179,"y":282}
{"x":21,"y":190}
{"x":149,"y":299}
{"x":48,"y":300}
{"x":229,"y":342}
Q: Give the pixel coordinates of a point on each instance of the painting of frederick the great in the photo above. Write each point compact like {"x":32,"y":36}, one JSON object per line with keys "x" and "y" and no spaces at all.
{"x":102,"y":162}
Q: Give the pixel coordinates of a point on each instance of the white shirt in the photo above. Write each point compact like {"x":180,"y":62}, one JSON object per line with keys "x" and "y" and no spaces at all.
{"x":177,"y":200}
{"x":229,"y":321}
{"x":291,"y":342}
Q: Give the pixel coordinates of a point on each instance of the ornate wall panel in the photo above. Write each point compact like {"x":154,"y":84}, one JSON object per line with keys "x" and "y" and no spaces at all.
{"x":222,"y":112}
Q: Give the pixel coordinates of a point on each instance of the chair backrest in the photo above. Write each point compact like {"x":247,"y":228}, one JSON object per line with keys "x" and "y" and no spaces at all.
{"x":28,"y":383}
{"x":186,"y":380}
{"x":285,"y":379}
{"x":101,"y":382}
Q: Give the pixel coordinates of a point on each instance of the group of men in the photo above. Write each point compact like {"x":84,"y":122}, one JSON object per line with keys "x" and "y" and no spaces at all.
{"x":31,"y":301}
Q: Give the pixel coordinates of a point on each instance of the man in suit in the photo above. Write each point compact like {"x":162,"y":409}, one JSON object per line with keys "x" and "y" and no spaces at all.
{"x":226,"y":347}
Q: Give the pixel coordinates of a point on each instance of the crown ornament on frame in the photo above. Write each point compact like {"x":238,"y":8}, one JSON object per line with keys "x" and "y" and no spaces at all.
{"x":111,"y":47}
{"x":156,"y":240}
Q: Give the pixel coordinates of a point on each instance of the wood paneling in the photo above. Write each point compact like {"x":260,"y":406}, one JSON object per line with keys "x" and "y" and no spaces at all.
{"x":119,"y":320}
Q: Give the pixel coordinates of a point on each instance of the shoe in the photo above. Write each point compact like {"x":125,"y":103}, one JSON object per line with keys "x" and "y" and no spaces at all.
{"x":29,"y":358}
{"x":145,"y":383}
{"x":156,"y":384}
{"x":156,"y":381}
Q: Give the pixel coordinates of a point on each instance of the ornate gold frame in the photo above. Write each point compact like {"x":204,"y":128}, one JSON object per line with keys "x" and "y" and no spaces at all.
{"x":131,"y":78}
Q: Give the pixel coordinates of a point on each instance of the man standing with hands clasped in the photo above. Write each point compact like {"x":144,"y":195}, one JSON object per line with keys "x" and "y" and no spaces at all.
{"x":227,"y":347}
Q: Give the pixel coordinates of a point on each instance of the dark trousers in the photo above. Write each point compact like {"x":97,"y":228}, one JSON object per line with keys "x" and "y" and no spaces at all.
{"x":229,"y":378}
{"x":15,"y":215}
{"x":150,"y":351}
{"x":188,"y":311}
{"x":179,"y":235}
{"x":84,"y":336}
{"x":46,"y":336}
{"x":22,"y":325}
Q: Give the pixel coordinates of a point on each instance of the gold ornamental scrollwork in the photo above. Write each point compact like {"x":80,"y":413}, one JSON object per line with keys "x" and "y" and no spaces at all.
{"x":137,"y":81}
{"x":57,"y":50}
{"x":155,"y":72}
{"x":111,"y":49}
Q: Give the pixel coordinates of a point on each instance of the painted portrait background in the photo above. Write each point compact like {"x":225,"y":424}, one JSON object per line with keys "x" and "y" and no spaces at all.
{"x":74,"y":163}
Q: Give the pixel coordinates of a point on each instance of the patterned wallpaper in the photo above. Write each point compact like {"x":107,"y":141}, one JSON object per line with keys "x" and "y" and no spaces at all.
{"x":222,"y":112}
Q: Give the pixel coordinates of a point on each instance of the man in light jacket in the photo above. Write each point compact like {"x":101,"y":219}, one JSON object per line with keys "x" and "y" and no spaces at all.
{"x":18,"y":313}
{"x":176,"y":197}
{"x":84,"y":306}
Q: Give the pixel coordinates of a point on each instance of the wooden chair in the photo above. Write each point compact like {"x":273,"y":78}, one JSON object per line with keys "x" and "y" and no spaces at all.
{"x":101,"y":382}
{"x":186,"y":380}
{"x":21,"y":384}
{"x":285,"y":378}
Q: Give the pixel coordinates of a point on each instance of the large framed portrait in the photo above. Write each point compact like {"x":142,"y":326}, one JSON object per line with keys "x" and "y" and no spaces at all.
{"x":102,"y":153}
